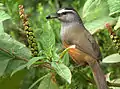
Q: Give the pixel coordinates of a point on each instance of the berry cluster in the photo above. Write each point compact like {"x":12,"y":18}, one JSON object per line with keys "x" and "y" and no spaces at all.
{"x":28,"y":31}
{"x":114,"y":37}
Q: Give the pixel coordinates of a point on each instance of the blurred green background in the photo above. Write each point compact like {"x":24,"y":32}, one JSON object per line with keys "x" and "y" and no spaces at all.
{"x":94,"y":13}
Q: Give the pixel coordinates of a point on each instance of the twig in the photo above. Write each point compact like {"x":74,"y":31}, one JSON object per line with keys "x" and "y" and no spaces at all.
{"x":19,"y":57}
{"x":46,"y":65}
{"x":6,"y":51}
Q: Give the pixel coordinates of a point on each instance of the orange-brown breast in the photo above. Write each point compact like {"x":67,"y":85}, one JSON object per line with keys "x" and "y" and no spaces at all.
{"x":77,"y":55}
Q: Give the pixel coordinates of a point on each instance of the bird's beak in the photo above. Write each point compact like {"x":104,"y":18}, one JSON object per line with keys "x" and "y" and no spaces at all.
{"x":52,"y":16}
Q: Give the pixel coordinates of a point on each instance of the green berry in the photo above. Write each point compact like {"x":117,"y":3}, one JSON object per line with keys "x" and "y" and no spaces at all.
{"x":30,"y":38}
{"x":31,"y":33}
{"x":29,"y":41}
{"x":26,"y":28}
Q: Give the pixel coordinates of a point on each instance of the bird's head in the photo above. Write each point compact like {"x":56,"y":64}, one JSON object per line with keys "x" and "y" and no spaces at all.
{"x":65,"y":15}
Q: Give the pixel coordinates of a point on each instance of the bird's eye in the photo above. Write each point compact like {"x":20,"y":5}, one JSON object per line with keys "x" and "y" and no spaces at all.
{"x":59,"y":14}
{"x":64,"y":13}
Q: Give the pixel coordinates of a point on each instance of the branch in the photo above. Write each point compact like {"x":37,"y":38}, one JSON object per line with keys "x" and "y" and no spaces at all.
{"x":46,"y":65}
{"x":19,"y":57}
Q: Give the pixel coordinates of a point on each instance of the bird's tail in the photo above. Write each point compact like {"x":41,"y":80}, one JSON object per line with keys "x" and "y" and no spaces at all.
{"x":98,"y":75}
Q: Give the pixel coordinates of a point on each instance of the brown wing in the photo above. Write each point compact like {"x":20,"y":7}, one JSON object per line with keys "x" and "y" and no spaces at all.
{"x":95,"y":47}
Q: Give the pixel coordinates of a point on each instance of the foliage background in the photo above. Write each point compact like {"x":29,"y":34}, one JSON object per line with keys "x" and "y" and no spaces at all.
{"x":94,"y":13}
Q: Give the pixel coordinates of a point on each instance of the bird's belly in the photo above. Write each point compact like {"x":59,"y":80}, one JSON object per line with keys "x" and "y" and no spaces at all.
{"x":77,"y":56}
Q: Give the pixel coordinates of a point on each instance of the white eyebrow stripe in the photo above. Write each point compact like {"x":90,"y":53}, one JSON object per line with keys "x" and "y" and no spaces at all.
{"x":63,"y":10}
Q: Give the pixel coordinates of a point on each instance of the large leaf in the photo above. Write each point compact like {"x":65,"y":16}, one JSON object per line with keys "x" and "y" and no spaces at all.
{"x":114,"y":58}
{"x":63,"y":71}
{"x":90,"y":5}
{"x":12,"y":65}
{"x":4,"y":60}
{"x":48,"y":83}
{"x":95,"y":15}
{"x":99,"y":24}
{"x":11,"y":49}
{"x":11,"y":46}
{"x":94,"y":9}
{"x":114,"y":7}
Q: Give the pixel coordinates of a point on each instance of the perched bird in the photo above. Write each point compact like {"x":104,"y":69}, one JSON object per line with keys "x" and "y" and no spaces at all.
{"x":86,"y":50}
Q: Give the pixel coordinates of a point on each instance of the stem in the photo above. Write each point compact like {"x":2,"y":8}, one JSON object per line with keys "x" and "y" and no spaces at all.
{"x":24,"y":59}
{"x":37,"y":81}
{"x":66,"y":50}
{"x":63,"y":53}
{"x":19,"y":57}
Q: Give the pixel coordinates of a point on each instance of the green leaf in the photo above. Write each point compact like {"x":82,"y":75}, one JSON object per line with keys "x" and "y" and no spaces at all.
{"x":11,"y":46}
{"x":114,"y":58}
{"x":95,"y":15}
{"x":65,"y":59}
{"x":56,"y":56}
{"x":63,"y":71}
{"x":99,"y":24}
{"x":117,"y":24}
{"x":11,"y":49}
{"x":94,"y":9}
{"x":48,"y":83}
{"x":18,"y":69}
{"x":3,"y":16}
{"x":12,"y":65}
{"x":47,"y":39}
{"x":114,"y":7}
{"x":4,"y":60}
{"x":90,"y":5}
{"x":33,"y":60}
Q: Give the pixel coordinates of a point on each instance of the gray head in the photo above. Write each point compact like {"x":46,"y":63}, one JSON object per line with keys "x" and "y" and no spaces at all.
{"x":66,"y":15}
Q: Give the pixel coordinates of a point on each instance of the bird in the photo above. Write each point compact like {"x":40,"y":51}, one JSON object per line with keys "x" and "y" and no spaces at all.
{"x":86,"y":51}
